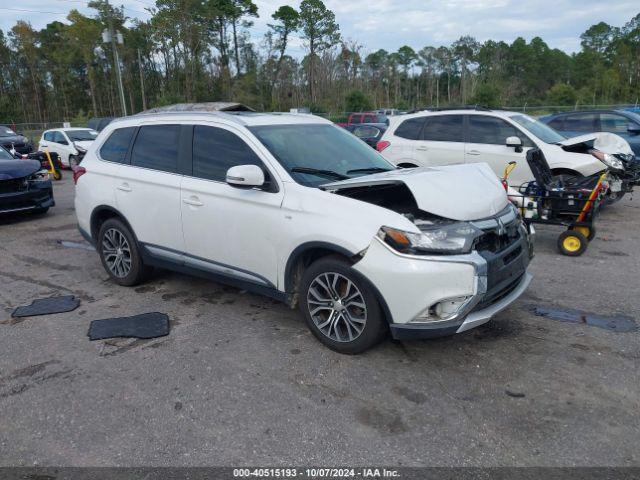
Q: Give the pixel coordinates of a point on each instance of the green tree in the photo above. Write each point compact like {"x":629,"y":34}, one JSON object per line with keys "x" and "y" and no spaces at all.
{"x":562,"y":94}
{"x":357,"y":101}
{"x":320,"y":31}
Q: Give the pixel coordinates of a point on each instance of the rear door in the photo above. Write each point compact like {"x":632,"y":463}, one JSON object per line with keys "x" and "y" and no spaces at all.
{"x":228,"y":230}
{"x":486,"y":143}
{"x":441,"y":141}
{"x":148,"y":188}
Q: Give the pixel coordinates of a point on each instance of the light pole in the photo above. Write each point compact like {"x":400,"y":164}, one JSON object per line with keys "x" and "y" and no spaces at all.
{"x":109,"y":36}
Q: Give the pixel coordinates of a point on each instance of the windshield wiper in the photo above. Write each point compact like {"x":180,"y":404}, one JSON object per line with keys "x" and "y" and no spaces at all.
{"x":319,"y":172}
{"x":370,"y":170}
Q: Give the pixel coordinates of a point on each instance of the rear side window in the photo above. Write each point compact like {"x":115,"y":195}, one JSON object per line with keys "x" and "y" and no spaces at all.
{"x":410,"y":129}
{"x":444,"y":128}
{"x":580,"y":123}
{"x":494,"y":131}
{"x":156,"y":147}
{"x":216,"y":150}
{"x":116,"y":147}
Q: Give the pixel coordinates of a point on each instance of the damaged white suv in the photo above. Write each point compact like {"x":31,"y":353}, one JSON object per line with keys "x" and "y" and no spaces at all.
{"x":296,"y":208}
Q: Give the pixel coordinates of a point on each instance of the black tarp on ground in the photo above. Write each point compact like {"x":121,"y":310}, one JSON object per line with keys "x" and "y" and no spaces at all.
{"x":145,"y":325}
{"x":47,"y":306}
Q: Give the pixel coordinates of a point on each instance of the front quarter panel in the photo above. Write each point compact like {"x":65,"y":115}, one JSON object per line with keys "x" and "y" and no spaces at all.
{"x":583,"y":163}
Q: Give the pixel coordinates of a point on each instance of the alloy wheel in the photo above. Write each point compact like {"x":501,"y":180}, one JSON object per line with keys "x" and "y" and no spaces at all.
{"x":116,"y":252}
{"x":337,"y":307}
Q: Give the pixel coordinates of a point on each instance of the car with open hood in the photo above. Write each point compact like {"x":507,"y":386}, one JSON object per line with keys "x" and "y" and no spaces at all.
{"x":69,"y":143}
{"x":24,"y":185}
{"x":294,"y":207}
{"x":495,"y":137}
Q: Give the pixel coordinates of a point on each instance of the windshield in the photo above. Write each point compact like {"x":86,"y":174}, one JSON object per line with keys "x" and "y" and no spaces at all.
{"x":81,"y":135}
{"x":539,"y":129}
{"x":6,"y":132}
{"x":330,"y":150}
{"x":4,"y":155}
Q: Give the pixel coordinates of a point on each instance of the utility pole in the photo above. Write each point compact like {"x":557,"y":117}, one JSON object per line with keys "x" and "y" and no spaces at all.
{"x":110,"y":36}
{"x":144,"y":100}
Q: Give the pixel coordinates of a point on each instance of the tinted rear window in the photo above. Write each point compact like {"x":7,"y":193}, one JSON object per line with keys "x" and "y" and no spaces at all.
{"x":410,"y":129}
{"x":444,"y":128}
{"x":580,"y":123}
{"x":156,"y":147}
{"x":116,"y":147}
{"x":216,"y":150}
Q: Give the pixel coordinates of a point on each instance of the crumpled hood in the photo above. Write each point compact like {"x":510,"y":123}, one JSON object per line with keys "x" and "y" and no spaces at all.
{"x":83,"y":144}
{"x":457,"y":192}
{"x":603,"y":141}
{"x":10,"y":169}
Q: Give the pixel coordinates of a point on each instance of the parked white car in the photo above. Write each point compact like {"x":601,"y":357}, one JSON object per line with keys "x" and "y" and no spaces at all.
{"x":296,"y":208}
{"x":496,"y":137}
{"x":70,"y":144}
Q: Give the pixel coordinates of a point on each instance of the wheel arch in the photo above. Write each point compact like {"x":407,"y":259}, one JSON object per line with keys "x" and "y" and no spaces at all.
{"x":101,"y":214}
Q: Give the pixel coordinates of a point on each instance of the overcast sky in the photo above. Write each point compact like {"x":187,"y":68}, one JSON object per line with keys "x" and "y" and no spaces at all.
{"x":389,"y":24}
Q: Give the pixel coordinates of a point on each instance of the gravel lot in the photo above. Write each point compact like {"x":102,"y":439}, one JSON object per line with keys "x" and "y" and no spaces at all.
{"x":241,"y":381}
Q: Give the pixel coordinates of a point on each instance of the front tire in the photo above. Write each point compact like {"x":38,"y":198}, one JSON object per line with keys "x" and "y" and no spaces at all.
{"x":120,"y":254}
{"x":340,"y":307}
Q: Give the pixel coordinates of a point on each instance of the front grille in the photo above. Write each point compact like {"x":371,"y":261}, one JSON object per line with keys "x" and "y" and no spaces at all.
{"x":498,"y":294}
{"x":497,"y":239}
{"x":13,"y":185}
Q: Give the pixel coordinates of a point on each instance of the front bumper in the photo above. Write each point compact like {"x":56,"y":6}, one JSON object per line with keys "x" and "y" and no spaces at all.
{"x":37,"y":196}
{"x":410,"y":285}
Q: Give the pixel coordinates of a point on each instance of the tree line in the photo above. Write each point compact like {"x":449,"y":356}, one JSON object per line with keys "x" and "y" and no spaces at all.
{"x":202,"y":50}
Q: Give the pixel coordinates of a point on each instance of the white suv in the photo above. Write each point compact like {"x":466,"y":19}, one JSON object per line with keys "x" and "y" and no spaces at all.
{"x":296,"y":208}
{"x":451,"y":137}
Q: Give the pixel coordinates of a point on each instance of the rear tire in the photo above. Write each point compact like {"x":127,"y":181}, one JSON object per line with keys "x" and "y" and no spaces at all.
{"x":120,"y":254}
{"x":340,"y":308}
{"x":572,"y":243}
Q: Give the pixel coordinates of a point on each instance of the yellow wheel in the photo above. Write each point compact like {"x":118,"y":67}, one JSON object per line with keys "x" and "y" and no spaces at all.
{"x":57,"y":175}
{"x":589,"y":232}
{"x":572,"y":243}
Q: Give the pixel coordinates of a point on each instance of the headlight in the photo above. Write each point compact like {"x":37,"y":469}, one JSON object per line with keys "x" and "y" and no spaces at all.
{"x":608,"y":159}
{"x":450,"y":238}
{"x":39,"y":176}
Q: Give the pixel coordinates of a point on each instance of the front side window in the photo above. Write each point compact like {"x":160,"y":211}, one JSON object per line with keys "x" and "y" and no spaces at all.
{"x":48,"y":136}
{"x":116,"y":147}
{"x":612,"y":123}
{"x":410,"y":129}
{"x":444,"y":128}
{"x":216,"y":150}
{"x":585,"y":123}
{"x":493,"y":130}
{"x":58,"y":137}
{"x":315,"y":154}
{"x":156,"y":147}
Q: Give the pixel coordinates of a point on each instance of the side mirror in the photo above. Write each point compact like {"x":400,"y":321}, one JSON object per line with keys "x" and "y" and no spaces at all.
{"x":633,"y":129}
{"x":245,"y":176}
{"x":514,"y":142}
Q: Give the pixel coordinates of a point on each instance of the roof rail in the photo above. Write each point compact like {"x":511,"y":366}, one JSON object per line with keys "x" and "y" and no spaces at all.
{"x":461,"y":107}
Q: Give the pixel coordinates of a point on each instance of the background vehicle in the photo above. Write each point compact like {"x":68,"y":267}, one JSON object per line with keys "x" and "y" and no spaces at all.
{"x":69,"y":143}
{"x":457,"y":136}
{"x":16,"y":141}
{"x":390,"y":111}
{"x":621,"y":122}
{"x":98,"y":123}
{"x":365,"y":117}
{"x":24,"y":185}
{"x":370,"y":133}
{"x":377,"y":249}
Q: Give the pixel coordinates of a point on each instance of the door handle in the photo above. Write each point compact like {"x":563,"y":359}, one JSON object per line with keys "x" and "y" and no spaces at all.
{"x":125,"y":187}
{"x":422,"y":149}
{"x":473,"y":152}
{"x":193,"y":201}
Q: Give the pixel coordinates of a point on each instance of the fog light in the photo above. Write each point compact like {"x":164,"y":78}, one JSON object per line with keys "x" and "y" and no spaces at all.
{"x":445,"y":309}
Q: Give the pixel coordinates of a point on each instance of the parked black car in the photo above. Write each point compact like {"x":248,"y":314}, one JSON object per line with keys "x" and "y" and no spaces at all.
{"x":24,"y":186}
{"x":10,"y":139}
{"x":371,"y":133}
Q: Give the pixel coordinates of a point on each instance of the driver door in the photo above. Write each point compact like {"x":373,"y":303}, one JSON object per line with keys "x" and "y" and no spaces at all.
{"x":229,"y":230}
{"x":487,"y":138}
